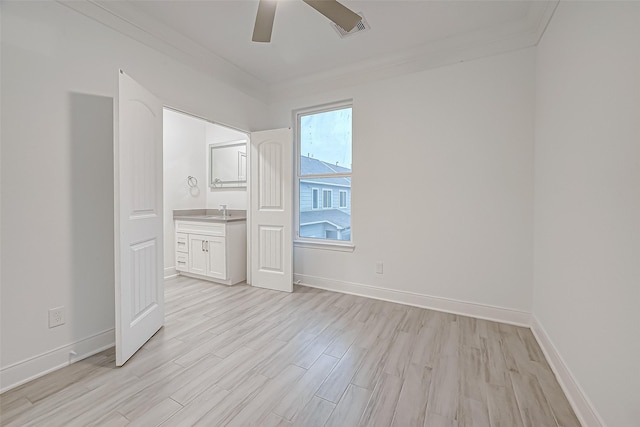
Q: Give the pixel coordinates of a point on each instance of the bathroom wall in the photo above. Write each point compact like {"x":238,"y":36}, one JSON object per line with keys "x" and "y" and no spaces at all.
{"x":233,"y":198}
{"x":186,"y":153}
{"x":184,"y":149}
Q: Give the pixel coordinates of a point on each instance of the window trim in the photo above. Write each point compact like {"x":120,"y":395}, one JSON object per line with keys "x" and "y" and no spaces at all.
{"x":309,"y":242}
{"x":317,"y":200}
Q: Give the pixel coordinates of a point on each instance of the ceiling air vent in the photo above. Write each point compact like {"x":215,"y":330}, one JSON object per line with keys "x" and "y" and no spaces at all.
{"x":362,"y":26}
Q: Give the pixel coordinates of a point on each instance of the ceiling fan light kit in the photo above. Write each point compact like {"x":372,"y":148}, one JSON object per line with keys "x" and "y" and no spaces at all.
{"x":337,"y":13}
{"x":360,"y":27}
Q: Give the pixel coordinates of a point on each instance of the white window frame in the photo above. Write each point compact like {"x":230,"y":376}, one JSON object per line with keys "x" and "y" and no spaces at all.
{"x":318,"y":199}
{"x":308,"y":242}
{"x":346,"y":201}
{"x":330,"y":198}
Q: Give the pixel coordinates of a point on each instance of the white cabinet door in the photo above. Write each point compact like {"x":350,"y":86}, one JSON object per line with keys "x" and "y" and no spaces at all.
{"x":216,"y":251}
{"x":197,"y":254}
{"x":139,"y":286}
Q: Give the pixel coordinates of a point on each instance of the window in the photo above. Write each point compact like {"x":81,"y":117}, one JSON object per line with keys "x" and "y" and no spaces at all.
{"x":326,"y":199}
{"x":323,"y":144}
{"x":343,"y":199}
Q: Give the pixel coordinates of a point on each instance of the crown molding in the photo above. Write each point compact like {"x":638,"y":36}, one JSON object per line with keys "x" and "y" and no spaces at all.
{"x":127,"y":20}
{"x":510,"y":36}
{"x":540,"y":17}
{"x":505,"y":38}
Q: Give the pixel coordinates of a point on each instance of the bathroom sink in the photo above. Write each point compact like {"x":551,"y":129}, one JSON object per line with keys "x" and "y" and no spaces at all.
{"x":217,"y":216}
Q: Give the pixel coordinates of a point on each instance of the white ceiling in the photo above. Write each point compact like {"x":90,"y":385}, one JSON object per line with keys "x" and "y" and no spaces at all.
{"x":306,"y":50}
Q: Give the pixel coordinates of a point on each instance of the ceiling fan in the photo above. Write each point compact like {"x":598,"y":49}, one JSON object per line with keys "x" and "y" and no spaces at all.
{"x":336,"y":12}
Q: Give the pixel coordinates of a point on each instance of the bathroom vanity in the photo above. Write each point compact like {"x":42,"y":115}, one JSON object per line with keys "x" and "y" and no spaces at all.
{"x":211,"y":246}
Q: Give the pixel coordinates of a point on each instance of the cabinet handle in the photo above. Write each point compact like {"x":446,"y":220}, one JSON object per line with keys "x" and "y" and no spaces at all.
{"x":207,"y":246}
{"x":203,"y":246}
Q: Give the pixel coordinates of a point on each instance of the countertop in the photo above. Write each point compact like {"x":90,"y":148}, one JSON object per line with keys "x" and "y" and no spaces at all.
{"x":209,"y":215}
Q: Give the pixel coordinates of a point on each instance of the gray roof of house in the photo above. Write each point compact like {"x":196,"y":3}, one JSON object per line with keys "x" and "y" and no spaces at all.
{"x":311,"y":166}
{"x":343,"y":182}
{"x":334,"y":216}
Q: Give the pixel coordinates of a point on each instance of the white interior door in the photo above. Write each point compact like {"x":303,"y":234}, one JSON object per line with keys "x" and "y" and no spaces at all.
{"x":271,"y":209}
{"x":138,"y":218}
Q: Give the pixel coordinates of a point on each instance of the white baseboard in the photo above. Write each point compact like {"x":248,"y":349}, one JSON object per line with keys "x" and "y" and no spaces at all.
{"x":580,"y":403}
{"x":170,"y":272}
{"x":29,"y":369}
{"x":480,"y":311}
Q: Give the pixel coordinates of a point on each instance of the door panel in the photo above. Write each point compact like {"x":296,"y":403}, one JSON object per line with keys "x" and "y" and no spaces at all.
{"x":138,"y":218}
{"x":272,"y":244}
{"x":271,"y":209}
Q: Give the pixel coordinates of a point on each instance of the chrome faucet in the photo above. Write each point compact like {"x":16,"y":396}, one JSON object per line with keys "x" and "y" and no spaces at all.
{"x":223,"y":209}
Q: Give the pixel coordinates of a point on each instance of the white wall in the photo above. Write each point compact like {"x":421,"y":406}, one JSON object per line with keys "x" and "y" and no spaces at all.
{"x":184,"y":153}
{"x":587,"y":200}
{"x":59,"y":78}
{"x":442,"y":183}
{"x":233,"y":198}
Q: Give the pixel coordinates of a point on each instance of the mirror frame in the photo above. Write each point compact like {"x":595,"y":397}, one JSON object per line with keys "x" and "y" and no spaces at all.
{"x":217,"y":185}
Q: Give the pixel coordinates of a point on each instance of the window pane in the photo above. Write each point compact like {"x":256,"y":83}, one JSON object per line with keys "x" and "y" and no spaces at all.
{"x":327,"y":223}
{"x":326,"y":199}
{"x":343,"y":199}
{"x":325,"y":142}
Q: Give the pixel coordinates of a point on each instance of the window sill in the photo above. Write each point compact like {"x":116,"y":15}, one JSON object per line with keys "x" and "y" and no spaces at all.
{"x":327,"y":246}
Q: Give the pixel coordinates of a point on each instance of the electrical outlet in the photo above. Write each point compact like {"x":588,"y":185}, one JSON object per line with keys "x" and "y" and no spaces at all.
{"x":56,"y":317}
{"x":379,"y":267}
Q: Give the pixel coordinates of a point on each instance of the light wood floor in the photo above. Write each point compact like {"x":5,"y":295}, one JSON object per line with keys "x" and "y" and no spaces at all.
{"x":243,"y":356}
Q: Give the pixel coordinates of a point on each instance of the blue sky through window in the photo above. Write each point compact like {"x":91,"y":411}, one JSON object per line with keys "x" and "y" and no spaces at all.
{"x":326,"y":136}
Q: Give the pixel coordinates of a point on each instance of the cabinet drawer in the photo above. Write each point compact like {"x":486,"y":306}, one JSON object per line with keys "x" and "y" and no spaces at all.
{"x":182,"y":261}
{"x":182,"y":242}
{"x":194,"y":227}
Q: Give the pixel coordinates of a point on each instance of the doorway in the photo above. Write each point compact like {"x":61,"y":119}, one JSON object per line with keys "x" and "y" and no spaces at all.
{"x":164,"y":160}
{"x":188,"y":182}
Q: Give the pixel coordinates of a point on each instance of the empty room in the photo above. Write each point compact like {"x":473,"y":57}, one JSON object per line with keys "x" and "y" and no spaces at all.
{"x":320,"y":213}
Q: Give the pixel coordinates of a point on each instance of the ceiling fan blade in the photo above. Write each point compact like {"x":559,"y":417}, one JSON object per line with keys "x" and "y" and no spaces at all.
{"x":336,"y":12}
{"x":264,"y":21}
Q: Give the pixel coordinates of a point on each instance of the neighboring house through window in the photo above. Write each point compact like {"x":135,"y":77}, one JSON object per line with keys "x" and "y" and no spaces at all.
{"x":323,"y":138}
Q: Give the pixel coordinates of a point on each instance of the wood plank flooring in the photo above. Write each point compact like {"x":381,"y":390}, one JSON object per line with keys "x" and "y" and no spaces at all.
{"x":243,"y":356}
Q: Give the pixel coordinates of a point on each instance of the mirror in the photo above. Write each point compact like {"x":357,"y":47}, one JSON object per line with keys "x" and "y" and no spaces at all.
{"x":228,"y":164}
